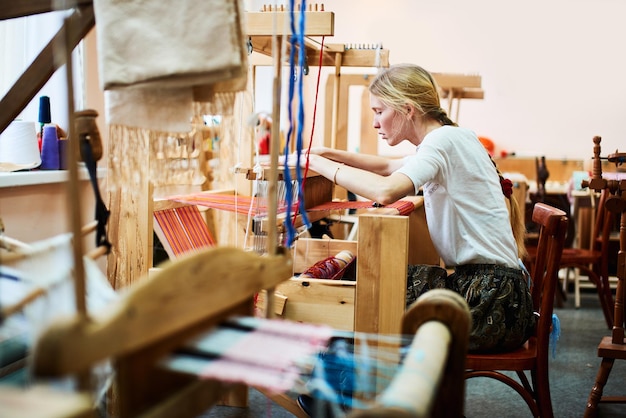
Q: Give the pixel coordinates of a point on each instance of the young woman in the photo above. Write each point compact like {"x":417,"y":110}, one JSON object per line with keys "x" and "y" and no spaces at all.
{"x":474,"y":226}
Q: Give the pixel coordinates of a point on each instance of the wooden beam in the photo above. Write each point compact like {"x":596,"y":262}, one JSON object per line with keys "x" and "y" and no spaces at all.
{"x":450,"y":80}
{"x":264,"y":24}
{"x":352,"y":58}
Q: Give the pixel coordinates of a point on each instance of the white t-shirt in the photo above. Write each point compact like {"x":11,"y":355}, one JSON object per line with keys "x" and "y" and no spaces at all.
{"x":467,"y":216}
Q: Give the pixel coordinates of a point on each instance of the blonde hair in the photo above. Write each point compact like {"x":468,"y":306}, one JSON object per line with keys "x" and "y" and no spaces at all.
{"x":403,"y":84}
{"x":518,"y":223}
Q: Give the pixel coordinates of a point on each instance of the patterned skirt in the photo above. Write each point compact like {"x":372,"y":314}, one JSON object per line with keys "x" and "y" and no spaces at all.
{"x":498,"y":299}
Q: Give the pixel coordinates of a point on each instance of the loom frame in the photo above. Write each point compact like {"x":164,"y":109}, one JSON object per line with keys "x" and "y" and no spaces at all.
{"x":375,"y":302}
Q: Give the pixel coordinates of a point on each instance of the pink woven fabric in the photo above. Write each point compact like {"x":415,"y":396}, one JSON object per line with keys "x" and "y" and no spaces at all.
{"x":267,"y":357}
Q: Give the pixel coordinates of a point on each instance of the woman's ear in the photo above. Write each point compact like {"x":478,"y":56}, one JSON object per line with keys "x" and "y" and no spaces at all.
{"x":410,"y":110}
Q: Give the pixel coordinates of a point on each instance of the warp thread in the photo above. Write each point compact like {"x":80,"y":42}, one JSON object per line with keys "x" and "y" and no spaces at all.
{"x":18,"y":144}
{"x":50,"y":149}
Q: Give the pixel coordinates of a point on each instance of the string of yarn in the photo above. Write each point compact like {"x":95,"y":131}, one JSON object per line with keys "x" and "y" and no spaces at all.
{"x":18,"y":144}
{"x":555,"y":334}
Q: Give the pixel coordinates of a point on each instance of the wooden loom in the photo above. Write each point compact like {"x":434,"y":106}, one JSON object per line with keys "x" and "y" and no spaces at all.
{"x":375,"y":301}
{"x":141,"y":328}
{"x":363,"y":305}
{"x":386,"y":244}
{"x":189,"y":296}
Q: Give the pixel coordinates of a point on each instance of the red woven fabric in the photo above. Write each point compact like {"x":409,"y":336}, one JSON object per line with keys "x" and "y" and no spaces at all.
{"x":241,"y":204}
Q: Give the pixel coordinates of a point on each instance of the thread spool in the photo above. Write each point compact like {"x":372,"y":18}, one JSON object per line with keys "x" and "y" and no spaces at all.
{"x":329,"y":268}
{"x":63,"y":150}
{"x":50,"y":149}
{"x":44,"y":110}
{"x":18,"y":145}
{"x":44,"y":116}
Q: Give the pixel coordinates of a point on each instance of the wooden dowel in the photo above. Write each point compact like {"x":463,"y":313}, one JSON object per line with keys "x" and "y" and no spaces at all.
{"x":73,"y":194}
{"x":90,"y":227}
{"x":98,"y":252}
{"x":12,"y":244}
{"x":16,"y":307}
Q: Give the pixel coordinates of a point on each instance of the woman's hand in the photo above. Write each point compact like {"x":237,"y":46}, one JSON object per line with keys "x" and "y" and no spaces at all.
{"x":292,"y":159}
{"x":319,"y":150}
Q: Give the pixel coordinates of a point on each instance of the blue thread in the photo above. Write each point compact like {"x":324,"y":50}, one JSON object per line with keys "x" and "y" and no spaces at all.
{"x":9,"y":276}
{"x":525,"y":272}
{"x":287,"y":174}
{"x":555,"y":333}
{"x":300,"y":128}
{"x":297,"y":37}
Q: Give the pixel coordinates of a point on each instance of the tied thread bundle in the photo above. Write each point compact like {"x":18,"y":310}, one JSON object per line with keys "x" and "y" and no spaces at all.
{"x":330,"y":267}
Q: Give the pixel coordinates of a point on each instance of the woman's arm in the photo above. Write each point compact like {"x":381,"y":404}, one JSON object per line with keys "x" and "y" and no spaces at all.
{"x":384,"y":189}
{"x":373,"y":163}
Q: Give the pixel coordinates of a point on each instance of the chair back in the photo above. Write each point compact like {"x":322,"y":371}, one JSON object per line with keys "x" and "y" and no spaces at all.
{"x":602,"y":227}
{"x":553,"y":227}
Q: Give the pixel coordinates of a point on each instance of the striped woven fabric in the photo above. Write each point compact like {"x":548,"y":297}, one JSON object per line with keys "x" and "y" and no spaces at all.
{"x":184,"y":229}
{"x":232,"y":203}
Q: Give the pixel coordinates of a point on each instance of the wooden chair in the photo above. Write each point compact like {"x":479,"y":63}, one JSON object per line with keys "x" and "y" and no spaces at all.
{"x":594,"y":261}
{"x":612,"y":347}
{"x":533,"y":355}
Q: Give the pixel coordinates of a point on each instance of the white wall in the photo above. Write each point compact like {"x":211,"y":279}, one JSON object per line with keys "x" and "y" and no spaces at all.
{"x":22,"y":40}
{"x":553,"y":70}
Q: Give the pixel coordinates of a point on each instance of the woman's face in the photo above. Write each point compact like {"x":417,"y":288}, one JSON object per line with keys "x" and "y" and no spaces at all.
{"x":391,"y":124}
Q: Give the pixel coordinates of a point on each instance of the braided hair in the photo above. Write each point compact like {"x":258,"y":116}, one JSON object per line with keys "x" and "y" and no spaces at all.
{"x":518,"y":223}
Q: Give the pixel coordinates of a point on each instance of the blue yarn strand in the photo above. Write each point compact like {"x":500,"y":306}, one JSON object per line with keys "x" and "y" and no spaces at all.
{"x":555,"y":333}
{"x":295,"y":75}
{"x":300,"y":129}
{"x":287,"y":174}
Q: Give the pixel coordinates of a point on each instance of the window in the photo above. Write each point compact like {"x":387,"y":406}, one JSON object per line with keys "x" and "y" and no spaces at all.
{"x":21,"y":40}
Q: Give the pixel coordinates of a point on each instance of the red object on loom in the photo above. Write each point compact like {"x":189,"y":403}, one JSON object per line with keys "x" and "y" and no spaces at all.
{"x":330,"y":267}
{"x":241,"y":204}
